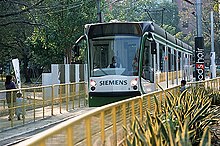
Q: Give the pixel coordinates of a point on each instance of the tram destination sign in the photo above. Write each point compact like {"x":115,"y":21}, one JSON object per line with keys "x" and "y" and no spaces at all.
{"x":199,"y":59}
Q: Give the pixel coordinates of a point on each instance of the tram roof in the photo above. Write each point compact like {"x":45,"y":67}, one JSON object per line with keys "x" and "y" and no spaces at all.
{"x":139,"y":28}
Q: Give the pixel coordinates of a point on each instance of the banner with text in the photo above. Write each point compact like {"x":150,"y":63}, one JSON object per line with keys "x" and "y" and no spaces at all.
{"x":15,"y":63}
{"x":199,"y":59}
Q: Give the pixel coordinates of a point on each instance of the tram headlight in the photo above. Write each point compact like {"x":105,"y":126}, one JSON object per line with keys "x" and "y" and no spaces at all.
{"x":134,"y":83}
{"x":92,"y":84}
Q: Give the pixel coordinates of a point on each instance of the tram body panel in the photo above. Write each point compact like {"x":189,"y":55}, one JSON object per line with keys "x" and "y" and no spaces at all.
{"x":114,"y":83}
{"x":147,"y":86}
{"x":111,"y":88}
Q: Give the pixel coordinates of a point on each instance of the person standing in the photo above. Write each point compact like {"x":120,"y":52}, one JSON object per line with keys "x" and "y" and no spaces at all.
{"x":115,"y":63}
{"x":183,"y":86}
{"x":10,"y":96}
{"x":135,"y":66}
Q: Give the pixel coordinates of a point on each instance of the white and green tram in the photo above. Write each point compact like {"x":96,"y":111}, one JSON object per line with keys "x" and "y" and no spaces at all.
{"x":126,"y":59}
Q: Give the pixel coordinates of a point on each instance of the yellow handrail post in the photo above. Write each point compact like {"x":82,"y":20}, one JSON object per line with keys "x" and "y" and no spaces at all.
{"x":141,"y":108}
{"x":124,"y":118}
{"x":69,"y":136}
{"x":124,"y":114}
{"x":133,"y":111}
{"x":11,"y":109}
{"x":74,"y":91}
{"x":88,"y":131}
{"x":34,"y":105}
{"x":85,"y":101}
{"x":114,"y":128}
{"x":149,"y":102}
{"x":43,"y":102}
{"x":42,"y":143}
{"x":23,"y":108}
{"x":218,"y":82}
{"x":60,"y":99}
{"x":212,"y":84}
{"x":79,"y":94}
{"x":161,"y":100}
{"x":67,"y":101}
{"x":52,"y":100}
{"x":103,"y":127}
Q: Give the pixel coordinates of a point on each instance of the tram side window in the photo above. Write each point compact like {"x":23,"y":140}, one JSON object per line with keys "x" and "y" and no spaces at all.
{"x":148,"y":73}
{"x":162,"y":56}
{"x":179,"y":60}
{"x":170,"y":60}
{"x":175,"y":59}
{"x":172,"y":57}
{"x":79,"y":53}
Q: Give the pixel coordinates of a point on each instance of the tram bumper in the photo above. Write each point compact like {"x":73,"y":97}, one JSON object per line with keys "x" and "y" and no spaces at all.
{"x":102,"y":98}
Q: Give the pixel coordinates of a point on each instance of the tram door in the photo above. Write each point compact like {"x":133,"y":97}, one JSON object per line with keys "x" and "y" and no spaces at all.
{"x":147,"y":77}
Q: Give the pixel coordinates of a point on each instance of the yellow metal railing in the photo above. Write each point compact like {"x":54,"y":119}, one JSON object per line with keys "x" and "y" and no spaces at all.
{"x":162,"y":76}
{"x":41,"y":102}
{"x":103,"y":125}
{"x":171,"y":75}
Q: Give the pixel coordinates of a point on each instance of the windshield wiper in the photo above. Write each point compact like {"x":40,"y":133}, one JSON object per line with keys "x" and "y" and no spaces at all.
{"x":103,"y":71}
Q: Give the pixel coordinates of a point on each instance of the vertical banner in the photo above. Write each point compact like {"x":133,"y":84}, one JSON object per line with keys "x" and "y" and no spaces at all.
{"x":199,"y":59}
{"x":15,"y":63}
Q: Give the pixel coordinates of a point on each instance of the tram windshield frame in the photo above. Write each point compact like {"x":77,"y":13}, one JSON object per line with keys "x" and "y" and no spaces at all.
{"x":114,"y":55}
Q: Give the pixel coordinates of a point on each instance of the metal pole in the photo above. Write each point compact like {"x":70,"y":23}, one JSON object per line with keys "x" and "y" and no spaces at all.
{"x":199,"y":17}
{"x":212,"y":32}
{"x":212,"y":55}
{"x":199,"y":45}
{"x":99,"y":11}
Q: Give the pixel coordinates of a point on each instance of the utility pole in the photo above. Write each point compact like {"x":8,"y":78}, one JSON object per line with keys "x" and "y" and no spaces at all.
{"x":212,"y":54}
{"x":199,"y":17}
{"x":199,"y":45}
{"x":99,"y":14}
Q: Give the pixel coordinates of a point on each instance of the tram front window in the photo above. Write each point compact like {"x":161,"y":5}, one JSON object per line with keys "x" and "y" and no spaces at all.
{"x":114,"y":55}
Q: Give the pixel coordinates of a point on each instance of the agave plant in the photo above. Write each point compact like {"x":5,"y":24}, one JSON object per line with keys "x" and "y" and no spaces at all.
{"x":194,"y":106}
{"x":158,"y":133}
{"x":184,"y":120}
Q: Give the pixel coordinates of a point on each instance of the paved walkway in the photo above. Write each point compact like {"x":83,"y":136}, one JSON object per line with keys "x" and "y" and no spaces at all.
{"x":37,"y":112}
{"x":19,"y":133}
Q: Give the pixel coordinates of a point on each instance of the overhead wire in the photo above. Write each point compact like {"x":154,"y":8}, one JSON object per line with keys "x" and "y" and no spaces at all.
{"x":61,"y":8}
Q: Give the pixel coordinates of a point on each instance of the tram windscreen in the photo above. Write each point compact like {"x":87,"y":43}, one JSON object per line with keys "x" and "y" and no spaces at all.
{"x":112,"y":29}
{"x":114,"y":55}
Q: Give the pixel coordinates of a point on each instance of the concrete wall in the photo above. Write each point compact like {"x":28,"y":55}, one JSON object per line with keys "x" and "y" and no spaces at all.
{"x":61,"y":74}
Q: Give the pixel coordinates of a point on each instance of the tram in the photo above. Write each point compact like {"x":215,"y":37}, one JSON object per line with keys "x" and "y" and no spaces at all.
{"x":127,"y":59}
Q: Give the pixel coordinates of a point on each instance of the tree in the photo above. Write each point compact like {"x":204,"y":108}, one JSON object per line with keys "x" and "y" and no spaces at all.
{"x":15,"y":27}
{"x":40,"y":32}
{"x":163,"y":13}
{"x":207,"y":7}
{"x":64,"y":22}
